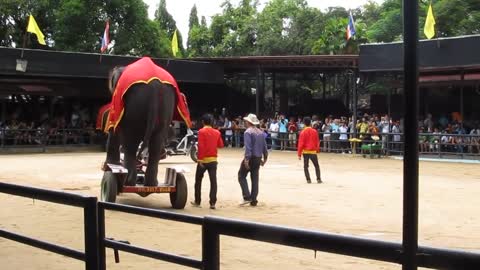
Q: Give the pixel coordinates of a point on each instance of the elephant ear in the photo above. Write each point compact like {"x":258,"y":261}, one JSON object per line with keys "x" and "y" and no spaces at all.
{"x":113,"y":78}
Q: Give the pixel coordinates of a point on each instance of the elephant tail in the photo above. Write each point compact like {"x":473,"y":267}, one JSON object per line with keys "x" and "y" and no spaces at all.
{"x":152,"y":117}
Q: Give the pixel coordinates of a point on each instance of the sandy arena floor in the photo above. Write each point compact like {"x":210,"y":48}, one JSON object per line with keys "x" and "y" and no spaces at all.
{"x":360,"y":197}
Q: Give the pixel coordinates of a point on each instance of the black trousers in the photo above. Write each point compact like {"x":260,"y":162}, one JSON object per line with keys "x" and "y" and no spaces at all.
{"x":254,"y":164}
{"x":211,"y":167}
{"x":306,"y":159}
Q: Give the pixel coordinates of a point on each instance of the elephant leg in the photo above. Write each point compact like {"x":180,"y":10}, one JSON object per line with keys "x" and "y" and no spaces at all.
{"x":156,"y":148}
{"x":113,"y":148}
{"x":130,"y":157}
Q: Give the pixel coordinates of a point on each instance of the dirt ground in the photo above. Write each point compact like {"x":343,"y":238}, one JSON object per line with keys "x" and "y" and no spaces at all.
{"x":361,"y":197}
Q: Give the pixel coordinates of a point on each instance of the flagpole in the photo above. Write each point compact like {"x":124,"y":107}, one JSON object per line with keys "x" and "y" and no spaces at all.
{"x":24,"y":43}
{"x":25,"y":39}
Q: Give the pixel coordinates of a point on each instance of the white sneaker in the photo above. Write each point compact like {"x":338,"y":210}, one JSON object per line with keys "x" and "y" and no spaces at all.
{"x":245,"y":202}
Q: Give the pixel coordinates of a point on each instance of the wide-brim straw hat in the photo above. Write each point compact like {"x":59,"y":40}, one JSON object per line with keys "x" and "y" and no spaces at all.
{"x":252,"y":118}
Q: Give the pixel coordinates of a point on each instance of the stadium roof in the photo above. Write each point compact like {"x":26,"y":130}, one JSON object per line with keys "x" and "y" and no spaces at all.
{"x":443,"y":55}
{"x":321,"y":63}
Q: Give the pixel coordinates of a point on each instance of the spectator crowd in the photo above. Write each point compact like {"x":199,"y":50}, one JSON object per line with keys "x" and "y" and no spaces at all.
{"x":440,"y":134}
{"x":58,"y":130}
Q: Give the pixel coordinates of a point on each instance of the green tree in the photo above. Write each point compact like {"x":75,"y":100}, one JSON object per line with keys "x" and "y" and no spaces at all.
{"x":14,"y":18}
{"x":455,"y":17}
{"x":199,"y":42}
{"x":133,"y":32}
{"x":277,"y":23}
{"x":193,"y":33}
{"x":193,"y":19}
{"x":77,"y":25}
{"x":167,"y":23}
{"x":234,"y":31}
{"x":389,"y":27}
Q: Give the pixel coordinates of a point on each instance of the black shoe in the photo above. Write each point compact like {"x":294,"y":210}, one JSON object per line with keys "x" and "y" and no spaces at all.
{"x":308,"y":181}
{"x":319,"y":181}
{"x":253,"y":203}
{"x":212,"y":206}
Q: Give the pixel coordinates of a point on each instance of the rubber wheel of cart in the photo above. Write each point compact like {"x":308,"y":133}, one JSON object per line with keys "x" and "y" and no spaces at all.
{"x":178,"y":199}
{"x":109,"y":187}
{"x":194,"y":153}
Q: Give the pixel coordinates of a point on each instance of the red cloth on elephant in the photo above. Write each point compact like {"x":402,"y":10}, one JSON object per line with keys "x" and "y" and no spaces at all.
{"x":144,"y":71}
{"x":102,"y":116}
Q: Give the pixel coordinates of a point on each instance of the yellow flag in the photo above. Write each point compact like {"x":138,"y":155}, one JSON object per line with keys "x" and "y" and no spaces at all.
{"x":175,"y":44}
{"x":429,"y":28}
{"x":33,"y":28}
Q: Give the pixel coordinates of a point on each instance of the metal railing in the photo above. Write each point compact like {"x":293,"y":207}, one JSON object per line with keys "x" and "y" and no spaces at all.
{"x":461,"y":145}
{"x":41,"y":138}
{"x":326,"y":242}
{"x":116,"y":245}
{"x":212,"y":227}
{"x":89,"y":204}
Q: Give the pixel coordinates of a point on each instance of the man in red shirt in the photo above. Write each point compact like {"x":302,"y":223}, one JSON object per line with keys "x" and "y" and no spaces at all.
{"x":309,"y":146}
{"x":209,"y":139}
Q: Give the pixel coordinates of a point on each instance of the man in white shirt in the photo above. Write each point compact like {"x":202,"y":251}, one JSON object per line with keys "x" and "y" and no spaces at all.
{"x":273,"y":130}
{"x":385,"y":129}
{"x":343,"y":137}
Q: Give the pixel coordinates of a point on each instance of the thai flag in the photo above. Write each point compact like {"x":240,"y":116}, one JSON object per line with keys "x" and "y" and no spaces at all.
{"x":105,"y":38}
{"x":350,"y":27}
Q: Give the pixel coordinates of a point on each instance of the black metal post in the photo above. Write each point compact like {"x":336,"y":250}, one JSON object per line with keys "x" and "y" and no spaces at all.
{"x":324,"y":84}
{"x":102,"y":263}
{"x":355,"y":105}
{"x":462,"y":100}
{"x":349,"y":89}
{"x":274,"y":101}
{"x":257,"y":93}
{"x":4,"y":110}
{"x":410,"y":163}
{"x":210,"y":246}
{"x":462,"y":117}
{"x":262,"y":93}
{"x":91,"y":234}
{"x":389,"y":103}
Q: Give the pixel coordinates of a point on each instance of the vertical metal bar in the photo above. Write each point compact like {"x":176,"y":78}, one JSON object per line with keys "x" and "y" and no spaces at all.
{"x":355,"y":104}
{"x":262,"y":96}
{"x":4,"y":110}
{"x":274,"y":101}
{"x":102,"y":264}
{"x":462,"y":100}
{"x":91,"y":233}
{"x":210,"y":246}
{"x":257,"y":93}
{"x":462,"y":117}
{"x":349,"y":87}
{"x":410,"y":163}
{"x":324,"y":84}
{"x":389,"y":103}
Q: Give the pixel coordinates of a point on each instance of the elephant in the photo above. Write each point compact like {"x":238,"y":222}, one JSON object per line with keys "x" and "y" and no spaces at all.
{"x":145,"y":99}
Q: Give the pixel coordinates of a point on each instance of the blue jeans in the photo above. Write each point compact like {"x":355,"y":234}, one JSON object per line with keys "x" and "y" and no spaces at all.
{"x":237,"y":139}
{"x":254,"y":164}
{"x":228,"y":140}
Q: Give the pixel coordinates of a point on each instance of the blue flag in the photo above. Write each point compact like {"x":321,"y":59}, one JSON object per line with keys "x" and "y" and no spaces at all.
{"x":350,"y":27}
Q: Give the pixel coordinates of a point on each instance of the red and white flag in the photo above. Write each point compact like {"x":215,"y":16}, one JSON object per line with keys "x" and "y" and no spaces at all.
{"x":105,"y":38}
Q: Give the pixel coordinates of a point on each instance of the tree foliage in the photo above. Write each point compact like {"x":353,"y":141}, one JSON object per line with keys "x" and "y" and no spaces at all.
{"x":167,"y":23}
{"x":282,"y":27}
